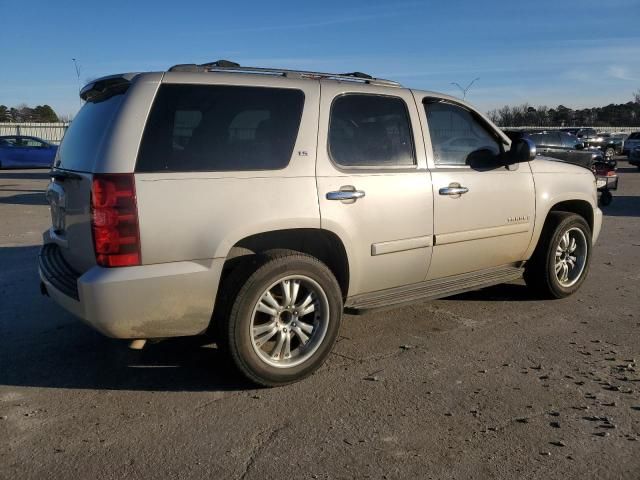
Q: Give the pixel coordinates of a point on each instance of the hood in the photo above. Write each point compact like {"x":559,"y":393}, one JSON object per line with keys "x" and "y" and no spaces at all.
{"x":551,"y":165}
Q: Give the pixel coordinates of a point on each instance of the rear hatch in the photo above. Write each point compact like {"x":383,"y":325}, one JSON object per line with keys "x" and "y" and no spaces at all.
{"x":77,"y":159}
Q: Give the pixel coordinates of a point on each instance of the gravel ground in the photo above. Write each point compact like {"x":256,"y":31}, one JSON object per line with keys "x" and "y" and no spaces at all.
{"x":490,"y":384}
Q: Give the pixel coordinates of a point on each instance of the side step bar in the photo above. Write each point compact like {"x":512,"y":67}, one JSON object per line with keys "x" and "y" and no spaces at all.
{"x":432,"y":289}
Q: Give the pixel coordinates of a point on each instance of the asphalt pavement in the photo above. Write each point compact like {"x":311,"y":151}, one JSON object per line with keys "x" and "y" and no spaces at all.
{"x":489,"y":384}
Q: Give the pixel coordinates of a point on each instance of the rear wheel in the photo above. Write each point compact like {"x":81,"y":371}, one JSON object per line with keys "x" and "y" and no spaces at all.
{"x":610,"y":152}
{"x":561,"y":260}
{"x":284,"y":319}
{"x":606,"y":198}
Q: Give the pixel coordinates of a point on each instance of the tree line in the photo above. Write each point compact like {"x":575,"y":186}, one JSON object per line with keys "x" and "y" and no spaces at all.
{"x":24,"y":113}
{"x":613,"y":115}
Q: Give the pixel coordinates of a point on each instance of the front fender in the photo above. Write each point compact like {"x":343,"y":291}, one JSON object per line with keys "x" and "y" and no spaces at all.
{"x":553,"y":188}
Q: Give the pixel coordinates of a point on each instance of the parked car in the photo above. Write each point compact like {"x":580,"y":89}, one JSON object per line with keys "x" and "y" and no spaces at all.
{"x":584,"y":133}
{"x":259,"y":204}
{"x":560,"y":145}
{"x":26,"y":152}
{"x":632,"y":141}
{"x":610,"y":144}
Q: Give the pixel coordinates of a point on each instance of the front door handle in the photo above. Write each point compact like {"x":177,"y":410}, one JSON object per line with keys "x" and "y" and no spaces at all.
{"x":454,"y":189}
{"x":346,"y":193}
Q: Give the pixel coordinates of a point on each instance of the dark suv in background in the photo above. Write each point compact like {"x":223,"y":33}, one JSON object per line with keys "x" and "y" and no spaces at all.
{"x":609,"y":144}
{"x":559,"y":144}
{"x":632,"y":141}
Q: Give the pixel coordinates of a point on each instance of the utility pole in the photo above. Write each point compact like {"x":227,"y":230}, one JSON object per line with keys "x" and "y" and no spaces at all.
{"x":466,"y":89}
{"x":78,"y":70}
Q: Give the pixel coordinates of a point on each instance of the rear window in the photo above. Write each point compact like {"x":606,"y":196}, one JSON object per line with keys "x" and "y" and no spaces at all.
{"x":85,"y":135}
{"x":220,"y":128}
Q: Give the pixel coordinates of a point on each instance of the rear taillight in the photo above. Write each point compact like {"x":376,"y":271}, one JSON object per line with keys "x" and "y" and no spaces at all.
{"x":114,"y":220}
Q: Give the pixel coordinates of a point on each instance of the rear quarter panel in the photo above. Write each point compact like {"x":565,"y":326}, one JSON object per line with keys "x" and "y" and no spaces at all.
{"x":201,"y":215}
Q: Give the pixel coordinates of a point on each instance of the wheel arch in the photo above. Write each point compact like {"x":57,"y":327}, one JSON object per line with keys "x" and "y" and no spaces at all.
{"x":579,"y":207}
{"x":322,"y":244}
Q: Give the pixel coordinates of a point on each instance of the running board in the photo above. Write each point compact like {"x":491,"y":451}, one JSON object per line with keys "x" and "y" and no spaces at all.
{"x":432,"y":289}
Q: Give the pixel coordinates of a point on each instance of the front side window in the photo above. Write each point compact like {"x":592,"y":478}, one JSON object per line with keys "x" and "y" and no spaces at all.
{"x":370,"y":131}
{"x":220,"y":128}
{"x":568,"y":141}
{"x":457,"y":137}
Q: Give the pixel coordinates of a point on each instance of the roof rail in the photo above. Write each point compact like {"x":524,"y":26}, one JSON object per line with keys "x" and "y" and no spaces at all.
{"x":233,"y":67}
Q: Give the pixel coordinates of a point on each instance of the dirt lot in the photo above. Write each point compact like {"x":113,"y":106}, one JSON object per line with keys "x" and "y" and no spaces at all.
{"x":492,"y":384}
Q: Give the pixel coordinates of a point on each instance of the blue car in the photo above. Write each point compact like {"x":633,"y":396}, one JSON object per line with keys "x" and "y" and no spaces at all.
{"x":26,"y":152}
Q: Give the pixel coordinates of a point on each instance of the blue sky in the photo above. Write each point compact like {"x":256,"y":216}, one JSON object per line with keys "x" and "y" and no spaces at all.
{"x":578,"y":53}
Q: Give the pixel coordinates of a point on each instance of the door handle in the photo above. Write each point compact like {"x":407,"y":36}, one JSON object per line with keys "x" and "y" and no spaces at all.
{"x":346,"y":192}
{"x":453,"y":189}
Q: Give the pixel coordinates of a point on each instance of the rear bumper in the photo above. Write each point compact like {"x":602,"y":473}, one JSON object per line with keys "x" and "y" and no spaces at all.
{"x":149,"y":301}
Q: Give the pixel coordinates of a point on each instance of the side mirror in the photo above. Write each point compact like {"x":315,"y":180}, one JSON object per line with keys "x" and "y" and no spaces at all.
{"x":522,"y":150}
{"x":579,"y":146}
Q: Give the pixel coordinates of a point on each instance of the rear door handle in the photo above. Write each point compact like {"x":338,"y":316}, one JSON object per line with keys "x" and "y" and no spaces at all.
{"x":453,"y":189}
{"x":346,"y":192}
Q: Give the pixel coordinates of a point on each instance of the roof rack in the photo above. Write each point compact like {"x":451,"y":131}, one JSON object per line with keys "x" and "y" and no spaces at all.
{"x":233,"y":67}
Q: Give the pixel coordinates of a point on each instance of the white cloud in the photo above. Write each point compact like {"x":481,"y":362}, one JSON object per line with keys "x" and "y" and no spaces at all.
{"x":619,"y":73}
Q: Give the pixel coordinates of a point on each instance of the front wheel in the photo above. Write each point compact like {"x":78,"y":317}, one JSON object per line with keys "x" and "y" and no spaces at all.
{"x":609,"y":153}
{"x":561,"y":260}
{"x":284,"y":320}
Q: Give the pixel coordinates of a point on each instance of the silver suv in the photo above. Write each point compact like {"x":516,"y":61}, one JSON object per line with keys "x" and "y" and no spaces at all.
{"x":259,"y":204}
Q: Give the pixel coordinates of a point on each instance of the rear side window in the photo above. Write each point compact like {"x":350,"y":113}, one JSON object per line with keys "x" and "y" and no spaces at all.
{"x":370,"y":131}
{"x":83,"y":139}
{"x":220,"y":128}
{"x":634,"y":136}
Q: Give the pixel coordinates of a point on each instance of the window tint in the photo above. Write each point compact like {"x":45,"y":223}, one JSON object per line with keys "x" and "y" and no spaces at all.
{"x":32,"y":142}
{"x":545,"y":139}
{"x":569,"y":141}
{"x":220,"y":128}
{"x":85,"y":135}
{"x":370,"y":130}
{"x":553,"y":139}
{"x":456,"y":136}
{"x":8,"y":142}
{"x":634,"y":136}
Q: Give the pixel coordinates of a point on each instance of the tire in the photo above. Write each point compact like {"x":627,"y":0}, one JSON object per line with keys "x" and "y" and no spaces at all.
{"x":254,"y":297}
{"x":606,"y":198}
{"x":609,"y":152}
{"x":540,"y":272}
